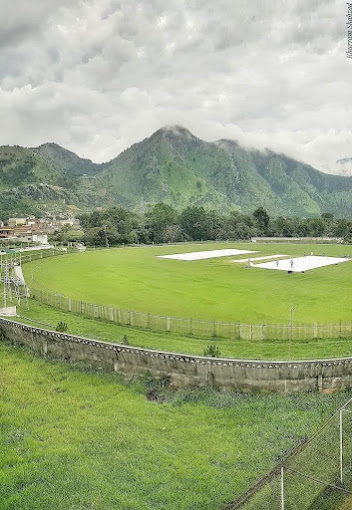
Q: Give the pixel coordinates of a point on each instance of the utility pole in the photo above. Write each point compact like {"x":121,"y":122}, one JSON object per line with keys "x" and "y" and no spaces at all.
{"x":341,"y":447}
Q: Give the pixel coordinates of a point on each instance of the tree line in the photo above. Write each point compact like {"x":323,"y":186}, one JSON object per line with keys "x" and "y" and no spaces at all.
{"x":163,"y":224}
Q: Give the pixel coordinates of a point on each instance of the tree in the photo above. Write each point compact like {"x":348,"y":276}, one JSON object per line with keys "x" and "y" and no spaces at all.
{"x":283,"y":227}
{"x":214,"y":225}
{"x":173,"y":234}
{"x":262,"y":219}
{"x":97,"y":236}
{"x":242,"y":231}
{"x":160,"y":218}
{"x":343,"y":228}
{"x":193,"y":221}
{"x":316,"y":227}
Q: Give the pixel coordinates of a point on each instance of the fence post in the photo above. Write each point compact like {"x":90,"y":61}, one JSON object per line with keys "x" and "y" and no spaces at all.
{"x":190,"y":326}
{"x":239,"y":331}
{"x":315,"y":330}
{"x":282,"y":489}
{"x":168,"y":324}
{"x":69,"y":304}
{"x":341,"y":448}
{"x":214,"y":329}
{"x":263,"y":332}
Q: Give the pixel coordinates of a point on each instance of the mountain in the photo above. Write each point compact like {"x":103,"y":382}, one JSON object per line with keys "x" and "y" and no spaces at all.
{"x":171,"y":166}
{"x":33,"y":181}
{"x":175,"y":167}
{"x":344,"y":166}
{"x":65,"y":160}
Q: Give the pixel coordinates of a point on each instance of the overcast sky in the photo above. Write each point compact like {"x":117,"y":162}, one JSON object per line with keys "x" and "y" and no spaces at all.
{"x":96,"y":76}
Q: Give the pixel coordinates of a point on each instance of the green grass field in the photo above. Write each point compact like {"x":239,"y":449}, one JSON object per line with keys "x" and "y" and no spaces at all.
{"x":214,"y":289}
{"x":75,"y":439}
{"x":40,"y":315}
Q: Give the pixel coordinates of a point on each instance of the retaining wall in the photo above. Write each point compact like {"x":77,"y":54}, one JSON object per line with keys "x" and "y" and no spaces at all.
{"x":279,"y":376}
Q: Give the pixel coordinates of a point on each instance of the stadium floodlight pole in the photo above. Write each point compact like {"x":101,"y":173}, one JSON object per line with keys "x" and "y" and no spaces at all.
{"x":282,"y":489}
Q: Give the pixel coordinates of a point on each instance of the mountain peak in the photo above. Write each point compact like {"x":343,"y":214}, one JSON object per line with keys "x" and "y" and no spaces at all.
{"x":66,"y":160}
{"x":175,"y":130}
{"x":49,"y":144}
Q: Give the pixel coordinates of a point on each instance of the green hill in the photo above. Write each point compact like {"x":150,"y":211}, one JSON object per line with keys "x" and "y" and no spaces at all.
{"x":66,"y":161}
{"x":175,"y":167}
{"x":171,"y":166}
{"x":47,"y":179}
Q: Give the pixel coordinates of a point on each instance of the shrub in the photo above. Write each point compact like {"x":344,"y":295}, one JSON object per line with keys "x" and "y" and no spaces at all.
{"x":213,"y":351}
{"x":156,"y":388}
{"x":62,"y":327}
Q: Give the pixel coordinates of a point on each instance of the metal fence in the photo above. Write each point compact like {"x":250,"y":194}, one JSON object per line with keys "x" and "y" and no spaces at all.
{"x":194,"y":327}
{"x":317,"y":476}
{"x":33,"y":255}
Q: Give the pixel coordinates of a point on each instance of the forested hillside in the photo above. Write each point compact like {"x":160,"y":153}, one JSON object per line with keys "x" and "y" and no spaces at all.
{"x":174,"y":167}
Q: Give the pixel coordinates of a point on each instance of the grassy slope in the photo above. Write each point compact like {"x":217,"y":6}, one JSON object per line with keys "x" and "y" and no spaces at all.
{"x":47,"y":317}
{"x":133,"y":278}
{"x":74,"y":439}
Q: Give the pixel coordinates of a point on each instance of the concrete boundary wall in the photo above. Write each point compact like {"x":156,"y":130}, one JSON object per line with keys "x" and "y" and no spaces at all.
{"x":278,"y":376}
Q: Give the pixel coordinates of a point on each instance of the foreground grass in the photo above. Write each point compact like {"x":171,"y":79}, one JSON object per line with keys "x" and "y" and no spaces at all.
{"x":133,"y":278}
{"x":49,"y":317}
{"x":74,"y":439}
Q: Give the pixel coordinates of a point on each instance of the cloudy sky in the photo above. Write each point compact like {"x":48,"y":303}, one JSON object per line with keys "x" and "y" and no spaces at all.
{"x":96,"y":76}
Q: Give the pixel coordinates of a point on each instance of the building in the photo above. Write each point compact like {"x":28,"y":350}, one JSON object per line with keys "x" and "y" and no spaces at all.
{"x":16,"y":221}
{"x":6,"y":233}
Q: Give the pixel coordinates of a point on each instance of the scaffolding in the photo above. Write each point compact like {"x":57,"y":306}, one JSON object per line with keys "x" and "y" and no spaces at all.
{"x":14,"y":289}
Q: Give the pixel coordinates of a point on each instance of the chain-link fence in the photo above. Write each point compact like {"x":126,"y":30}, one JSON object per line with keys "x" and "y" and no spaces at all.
{"x":317,"y":477}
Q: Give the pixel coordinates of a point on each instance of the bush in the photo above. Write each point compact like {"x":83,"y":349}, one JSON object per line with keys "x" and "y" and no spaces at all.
{"x":213,"y":351}
{"x":125,"y":340}
{"x":62,"y":327}
{"x":156,"y":388}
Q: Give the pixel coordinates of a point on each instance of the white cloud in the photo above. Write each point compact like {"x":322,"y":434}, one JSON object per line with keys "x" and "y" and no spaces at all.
{"x":98,"y":75}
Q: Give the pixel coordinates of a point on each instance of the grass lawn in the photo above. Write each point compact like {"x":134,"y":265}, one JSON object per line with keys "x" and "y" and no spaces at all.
{"x":133,"y":278}
{"x":48,"y":318}
{"x":75,"y":439}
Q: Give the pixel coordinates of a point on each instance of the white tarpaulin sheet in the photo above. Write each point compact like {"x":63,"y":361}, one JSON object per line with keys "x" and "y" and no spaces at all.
{"x":301,"y":264}
{"x":260,"y":258}
{"x":209,"y":254}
